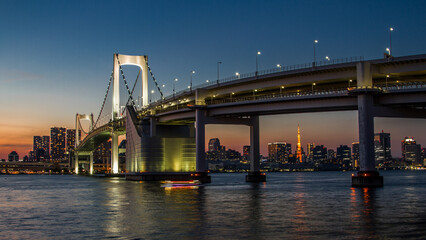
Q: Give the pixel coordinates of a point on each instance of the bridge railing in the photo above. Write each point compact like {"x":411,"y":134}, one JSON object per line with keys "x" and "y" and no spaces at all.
{"x":402,"y":85}
{"x":213,"y":101}
{"x":285,"y":68}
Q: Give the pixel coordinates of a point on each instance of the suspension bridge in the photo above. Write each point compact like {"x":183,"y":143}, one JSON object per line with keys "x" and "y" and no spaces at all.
{"x":166,"y":138}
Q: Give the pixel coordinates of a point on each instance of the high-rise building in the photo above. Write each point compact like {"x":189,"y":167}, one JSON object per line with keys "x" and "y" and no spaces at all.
{"x":71,"y":140}
{"x":279,"y":151}
{"x":319,"y":153}
{"x":331,"y":154}
{"x":246,"y":152}
{"x":299,"y":146}
{"x":343,"y":153}
{"x":382,"y":147}
{"x":57,"y":144}
{"x":423,"y":156}
{"x":214,"y":144}
{"x":309,"y":151}
{"x":411,"y":152}
{"x":41,"y":146}
{"x":355,"y":154}
{"x":13,"y":157}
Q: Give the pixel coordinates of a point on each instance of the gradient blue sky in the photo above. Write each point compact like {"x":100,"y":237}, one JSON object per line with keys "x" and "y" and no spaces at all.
{"x":56,"y":57}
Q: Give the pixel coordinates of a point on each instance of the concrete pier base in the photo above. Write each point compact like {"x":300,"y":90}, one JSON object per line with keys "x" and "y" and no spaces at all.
{"x":367,"y":179}
{"x":203,"y":177}
{"x":256,"y":177}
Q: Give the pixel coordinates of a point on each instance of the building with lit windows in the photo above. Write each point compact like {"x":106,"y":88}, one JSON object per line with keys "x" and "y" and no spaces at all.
{"x":343,"y":153}
{"x":214,"y":144}
{"x":13,"y":157}
{"x":279,"y":151}
{"x":41,"y":147}
{"x":411,"y":152}
{"x":355,"y":154}
{"x":57,"y":144}
{"x":382,"y":148}
{"x":319,"y":153}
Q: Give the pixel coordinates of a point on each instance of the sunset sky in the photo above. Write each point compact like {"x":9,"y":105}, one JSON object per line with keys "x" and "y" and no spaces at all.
{"x":56,"y":57}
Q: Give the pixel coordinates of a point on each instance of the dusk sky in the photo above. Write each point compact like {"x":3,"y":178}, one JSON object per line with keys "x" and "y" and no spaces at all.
{"x":56,"y":57}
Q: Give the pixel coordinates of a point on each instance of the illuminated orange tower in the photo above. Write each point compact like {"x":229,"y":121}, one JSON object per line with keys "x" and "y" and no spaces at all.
{"x":299,"y":145}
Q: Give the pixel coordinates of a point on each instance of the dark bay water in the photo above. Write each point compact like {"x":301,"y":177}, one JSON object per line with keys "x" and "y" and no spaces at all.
{"x":311,"y":205}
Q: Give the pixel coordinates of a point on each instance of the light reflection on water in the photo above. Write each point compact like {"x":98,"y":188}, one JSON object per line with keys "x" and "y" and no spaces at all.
{"x":290,"y":205}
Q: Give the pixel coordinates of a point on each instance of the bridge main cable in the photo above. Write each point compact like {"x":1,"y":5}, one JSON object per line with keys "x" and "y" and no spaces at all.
{"x":105,"y":98}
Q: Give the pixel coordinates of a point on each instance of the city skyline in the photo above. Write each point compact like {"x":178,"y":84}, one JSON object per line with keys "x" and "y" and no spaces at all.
{"x":57,"y":57}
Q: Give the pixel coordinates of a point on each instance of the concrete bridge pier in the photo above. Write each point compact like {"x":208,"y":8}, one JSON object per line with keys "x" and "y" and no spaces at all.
{"x":255,"y":175}
{"x":76,"y":163}
{"x":367,"y":176}
{"x":200,"y":134}
{"x":91,"y":171}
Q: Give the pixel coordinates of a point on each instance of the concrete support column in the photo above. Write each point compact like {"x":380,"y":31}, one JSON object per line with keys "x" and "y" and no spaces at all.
{"x":254,"y":145}
{"x":114,"y":153}
{"x":367,"y":176}
{"x":91,"y":163}
{"x":76,"y":163}
{"x":153,"y":127}
{"x":201,"y":165}
{"x":366,"y":132}
{"x":255,"y":175}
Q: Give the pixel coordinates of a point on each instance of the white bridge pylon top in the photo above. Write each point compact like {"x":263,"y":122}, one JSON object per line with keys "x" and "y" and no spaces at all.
{"x":142,"y":63}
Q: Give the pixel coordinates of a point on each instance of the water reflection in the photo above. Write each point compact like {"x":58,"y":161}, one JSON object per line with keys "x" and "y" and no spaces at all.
{"x":364,"y":211}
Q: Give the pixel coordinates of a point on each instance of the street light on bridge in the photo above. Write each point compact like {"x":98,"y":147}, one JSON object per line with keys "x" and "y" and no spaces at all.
{"x":174,"y":92}
{"x":281,"y":89}
{"x":315,"y":43}
{"x":313,"y":84}
{"x":279,"y":67}
{"x":327,"y":58}
{"x":350,"y":80}
{"x":390,"y":41}
{"x":257,"y":54}
{"x":152,"y":93}
{"x":190,"y":84}
{"x":237,"y":74}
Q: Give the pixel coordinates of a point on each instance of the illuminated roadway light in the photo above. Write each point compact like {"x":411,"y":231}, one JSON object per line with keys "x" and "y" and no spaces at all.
{"x":207,"y":81}
{"x":391,"y":29}
{"x":316,"y":41}
{"x":387,"y":76}
{"x":258,"y":53}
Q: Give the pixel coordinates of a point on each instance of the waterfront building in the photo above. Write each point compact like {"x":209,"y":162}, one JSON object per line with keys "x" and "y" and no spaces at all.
{"x":279,"y":151}
{"x":309,"y":151}
{"x":57,"y":144}
{"x":246,"y":153}
{"x":319,"y":153}
{"x":343,"y":153}
{"x":355,"y":154}
{"x":41,"y":147}
{"x":411,"y":152}
{"x":214,"y":144}
{"x":331,"y":154}
{"x":102,"y":157}
{"x":13,"y":157}
{"x":382,"y":148}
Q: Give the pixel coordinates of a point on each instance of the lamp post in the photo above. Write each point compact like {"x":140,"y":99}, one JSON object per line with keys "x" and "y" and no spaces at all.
{"x":257,"y":54}
{"x":281,"y":89}
{"x":389,"y":52}
{"x":232,"y":93}
{"x":327,"y":58}
{"x":218,"y":63}
{"x":174,"y":81}
{"x":237,"y":74}
{"x":254,"y":97}
{"x":315,"y":43}
{"x":313,"y":84}
{"x":390,"y":41}
{"x":349,"y":82}
{"x":279,"y":67}
{"x":190,"y":84}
